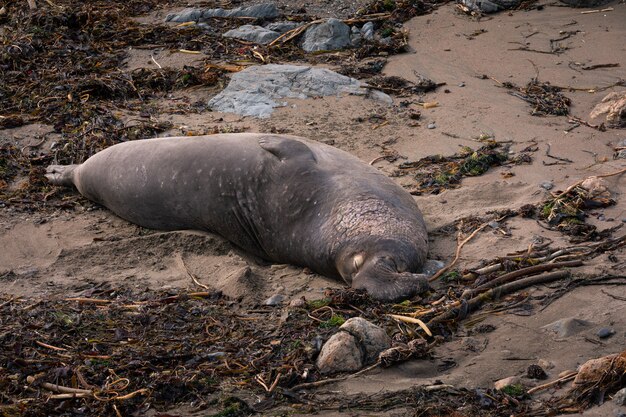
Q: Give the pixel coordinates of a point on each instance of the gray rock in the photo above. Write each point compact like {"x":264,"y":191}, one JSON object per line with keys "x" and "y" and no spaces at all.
{"x":567,"y":327}
{"x":431,"y":266}
{"x":622,"y":154}
{"x":330,"y":35}
{"x":431,"y":125}
{"x":372,"y":338}
{"x":620,"y":397}
{"x":259,"y":11}
{"x":547,"y":185}
{"x":256,"y":34}
{"x":605,"y":332}
{"x":258,"y":89}
{"x":274,"y":300}
{"x":283,"y":27}
{"x":367,"y":31}
{"x":341,"y":353}
{"x":490,"y":6}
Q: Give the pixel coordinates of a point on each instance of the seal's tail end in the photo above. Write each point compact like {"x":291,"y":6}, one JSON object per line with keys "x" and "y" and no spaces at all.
{"x":61,"y":174}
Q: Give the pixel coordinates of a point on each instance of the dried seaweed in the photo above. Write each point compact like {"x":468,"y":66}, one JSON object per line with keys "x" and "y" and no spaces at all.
{"x":436,"y":173}
{"x":400,"y":10}
{"x":544,"y":98}
{"x":566,"y":212}
{"x":167,"y":349}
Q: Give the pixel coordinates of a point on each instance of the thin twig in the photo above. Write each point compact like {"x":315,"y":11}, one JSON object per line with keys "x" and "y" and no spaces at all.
{"x":457,"y":253}
{"x":180,"y":260}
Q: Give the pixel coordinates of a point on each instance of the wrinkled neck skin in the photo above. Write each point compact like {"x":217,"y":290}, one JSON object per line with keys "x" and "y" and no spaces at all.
{"x":384,"y":250}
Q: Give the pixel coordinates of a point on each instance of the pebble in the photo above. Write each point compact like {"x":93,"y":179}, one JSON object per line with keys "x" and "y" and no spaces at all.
{"x":461,"y":84}
{"x":547,"y":185}
{"x":605,"y":332}
{"x":297,"y":302}
{"x":512,"y":380}
{"x":545,"y":364}
{"x":274,"y":300}
{"x":431,"y":126}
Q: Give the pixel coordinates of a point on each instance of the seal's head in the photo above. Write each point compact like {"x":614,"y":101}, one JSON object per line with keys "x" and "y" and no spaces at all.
{"x":385,"y":268}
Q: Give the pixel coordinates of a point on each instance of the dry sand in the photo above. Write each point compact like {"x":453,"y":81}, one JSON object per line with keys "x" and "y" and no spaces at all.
{"x":61,"y":254}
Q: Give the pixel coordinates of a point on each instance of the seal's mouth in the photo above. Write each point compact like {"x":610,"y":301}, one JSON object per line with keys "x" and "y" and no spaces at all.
{"x":390,"y":286}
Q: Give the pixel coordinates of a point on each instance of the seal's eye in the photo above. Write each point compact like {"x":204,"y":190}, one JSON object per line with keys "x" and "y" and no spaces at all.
{"x":358,"y":261}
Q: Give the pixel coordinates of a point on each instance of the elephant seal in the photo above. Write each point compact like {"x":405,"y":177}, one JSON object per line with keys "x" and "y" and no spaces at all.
{"x":283,"y":198}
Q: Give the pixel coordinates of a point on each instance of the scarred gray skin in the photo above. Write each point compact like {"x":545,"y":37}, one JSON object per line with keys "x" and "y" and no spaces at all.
{"x":283,"y":198}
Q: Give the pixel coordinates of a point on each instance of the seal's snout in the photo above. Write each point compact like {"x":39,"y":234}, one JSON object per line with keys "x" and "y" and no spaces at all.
{"x":390,"y":286}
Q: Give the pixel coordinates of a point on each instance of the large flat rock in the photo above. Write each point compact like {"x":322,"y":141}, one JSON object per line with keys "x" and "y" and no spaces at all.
{"x":257,"y":90}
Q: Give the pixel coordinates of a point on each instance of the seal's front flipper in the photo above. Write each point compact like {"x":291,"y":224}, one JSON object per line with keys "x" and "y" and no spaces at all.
{"x":286,"y":148}
{"x":61,"y":174}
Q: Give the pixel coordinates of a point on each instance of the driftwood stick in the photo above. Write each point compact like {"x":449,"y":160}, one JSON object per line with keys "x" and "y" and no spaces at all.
{"x":503,"y":279}
{"x":495,"y":293}
{"x":564,"y":378}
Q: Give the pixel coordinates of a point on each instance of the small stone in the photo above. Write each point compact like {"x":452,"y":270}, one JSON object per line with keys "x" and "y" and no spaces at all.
{"x":545,"y":364}
{"x":494,"y":224}
{"x":431,"y":126}
{"x":605,"y":332}
{"x":536,"y":372}
{"x":431,"y":266}
{"x":274,"y":300}
{"x":567,"y":327}
{"x":620,"y":397}
{"x":367,"y":31}
{"x":297,"y":302}
{"x":547,"y":185}
{"x":341,"y":353}
{"x":512,"y":380}
{"x":461,"y":84}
